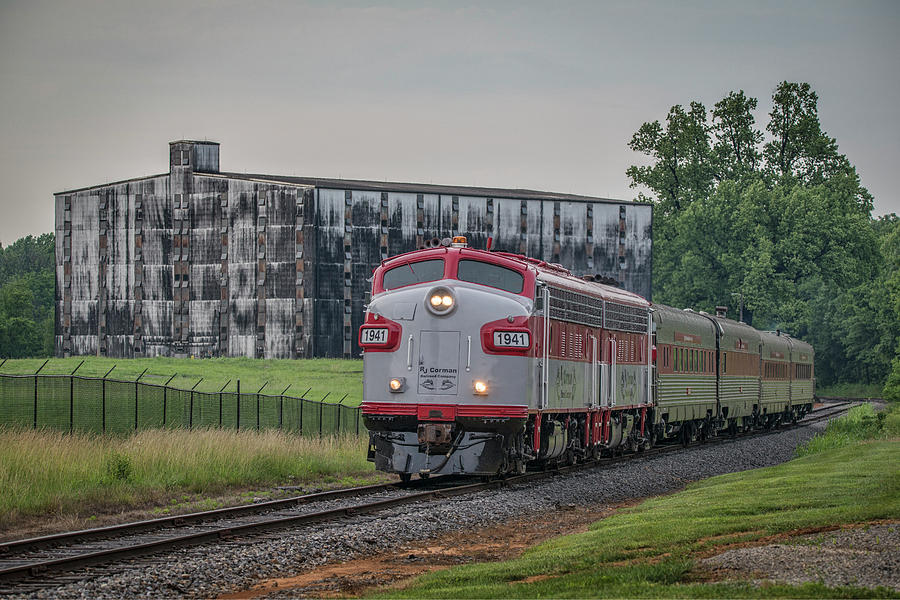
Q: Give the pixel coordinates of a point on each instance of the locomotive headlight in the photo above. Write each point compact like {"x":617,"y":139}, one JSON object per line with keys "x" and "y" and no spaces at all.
{"x":397,"y":384}
{"x":481,"y":388}
{"x":440,"y":301}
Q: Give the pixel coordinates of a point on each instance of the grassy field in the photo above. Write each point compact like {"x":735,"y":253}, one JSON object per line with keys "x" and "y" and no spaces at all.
{"x":649,"y":551}
{"x":43,"y":472}
{"x":321,"y":377}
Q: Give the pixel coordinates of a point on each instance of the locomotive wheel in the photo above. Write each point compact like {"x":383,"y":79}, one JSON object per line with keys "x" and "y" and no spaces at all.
{"x":405,"y":477}
{"x":732,"y":428}
{"x":424,"y":475}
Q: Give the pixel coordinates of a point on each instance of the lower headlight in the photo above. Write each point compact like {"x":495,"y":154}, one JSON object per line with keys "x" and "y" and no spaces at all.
{"x":397,"y":384}
{"x":480,"y":388}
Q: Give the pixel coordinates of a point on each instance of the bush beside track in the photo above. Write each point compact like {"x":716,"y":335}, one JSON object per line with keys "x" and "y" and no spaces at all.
{"x":848,"y":475}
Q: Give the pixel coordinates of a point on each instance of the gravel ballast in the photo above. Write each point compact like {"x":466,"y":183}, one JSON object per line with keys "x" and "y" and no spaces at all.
{"x":207,"y":571}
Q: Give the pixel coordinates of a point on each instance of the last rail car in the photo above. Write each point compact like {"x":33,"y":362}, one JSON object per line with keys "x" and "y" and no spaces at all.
{"x":481,"y":362}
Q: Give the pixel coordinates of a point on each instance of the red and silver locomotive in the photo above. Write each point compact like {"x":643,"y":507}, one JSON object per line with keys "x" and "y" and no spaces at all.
{"x":479,"y":362}
{"x":482,"y":362}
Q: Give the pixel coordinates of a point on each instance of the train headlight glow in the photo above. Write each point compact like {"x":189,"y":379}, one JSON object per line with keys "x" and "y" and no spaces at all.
{"x":481,"y":388}
{"x":397,"y":384}
{"x":440,"y":301}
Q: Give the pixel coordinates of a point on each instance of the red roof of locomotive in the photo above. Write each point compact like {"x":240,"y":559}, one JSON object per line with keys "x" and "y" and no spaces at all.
{"x":551,"y":273}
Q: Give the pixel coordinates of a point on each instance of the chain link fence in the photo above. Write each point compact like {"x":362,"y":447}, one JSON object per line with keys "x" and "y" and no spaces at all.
{"x":101,"y":405}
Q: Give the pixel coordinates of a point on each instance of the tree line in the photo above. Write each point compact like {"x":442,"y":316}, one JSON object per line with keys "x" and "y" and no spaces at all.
{"x":27,"y":297}
{"x":778,"y":219}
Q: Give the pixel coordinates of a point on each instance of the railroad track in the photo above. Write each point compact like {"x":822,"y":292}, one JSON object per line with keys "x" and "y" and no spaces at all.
{"x":25,"y":564}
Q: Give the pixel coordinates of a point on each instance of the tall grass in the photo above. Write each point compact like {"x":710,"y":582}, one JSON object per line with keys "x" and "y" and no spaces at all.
{"x":48,"y":471}
{"x":860,"y":423}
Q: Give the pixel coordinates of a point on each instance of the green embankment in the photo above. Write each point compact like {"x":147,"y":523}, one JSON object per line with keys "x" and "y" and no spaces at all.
{"x":321,"y":377}
{"x":651,"y":549}
{"x":43,"y":472}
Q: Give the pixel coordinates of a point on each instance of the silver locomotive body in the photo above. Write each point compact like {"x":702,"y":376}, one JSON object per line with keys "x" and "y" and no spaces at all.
{"x":438,"y":398}
{"x":479,"y":362}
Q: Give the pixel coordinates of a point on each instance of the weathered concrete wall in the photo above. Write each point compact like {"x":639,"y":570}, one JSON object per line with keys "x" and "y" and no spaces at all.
{"x":356,"y":229}
{"x":112,"y":295}
{"x":196,"y":262}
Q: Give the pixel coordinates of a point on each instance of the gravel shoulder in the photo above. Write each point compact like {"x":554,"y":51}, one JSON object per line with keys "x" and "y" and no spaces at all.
{"x":854,"y":556}
{"x":209,"y":571}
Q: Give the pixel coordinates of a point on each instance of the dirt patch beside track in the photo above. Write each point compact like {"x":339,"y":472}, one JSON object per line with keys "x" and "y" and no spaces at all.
{"x":396,"y":568}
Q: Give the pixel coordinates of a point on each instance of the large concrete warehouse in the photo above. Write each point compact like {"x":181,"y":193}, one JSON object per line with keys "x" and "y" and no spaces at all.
{"x":200,"y":262}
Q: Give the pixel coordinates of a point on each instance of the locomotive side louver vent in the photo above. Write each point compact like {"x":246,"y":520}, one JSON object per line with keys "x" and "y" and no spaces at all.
{"x":626,"y":318}
{"x":576,"y":308}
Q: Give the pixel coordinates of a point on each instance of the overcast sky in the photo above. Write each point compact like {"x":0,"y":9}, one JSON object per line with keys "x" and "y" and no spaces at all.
{"x":542,"y":95}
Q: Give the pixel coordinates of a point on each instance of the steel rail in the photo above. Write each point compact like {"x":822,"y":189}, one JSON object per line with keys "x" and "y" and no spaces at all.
{"x":217,"y":533}
{"x":58,"y":539}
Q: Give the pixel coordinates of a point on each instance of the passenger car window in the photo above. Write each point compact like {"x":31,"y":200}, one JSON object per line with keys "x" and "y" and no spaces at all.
{"x":412,"y":273}
{"x":483,"y":273}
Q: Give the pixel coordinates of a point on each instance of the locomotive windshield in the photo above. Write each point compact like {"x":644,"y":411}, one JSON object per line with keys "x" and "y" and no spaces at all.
{"x":496,"y":276}
{"x":415,"y":272}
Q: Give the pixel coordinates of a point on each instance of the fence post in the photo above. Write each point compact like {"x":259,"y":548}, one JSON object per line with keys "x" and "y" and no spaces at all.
{"x":36,"y":390}
{"x":220,"y":402}
{"x":136,"y":398}
{"x":357,"y":411}
{"x":339,"y":410}
{"x":281,"y":408}
{"x":165,"y":396}
{"x":238,"y":402}
{"x":191,"y":406}
{"x":103,"y":398}
{"x":322,"y":412}
{"x":72,"y":397}
{"x":72,"y":401}
{"x":258,"y":426}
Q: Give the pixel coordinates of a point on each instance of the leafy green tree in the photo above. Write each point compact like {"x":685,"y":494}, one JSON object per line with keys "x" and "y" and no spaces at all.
{"x":683,"y":168}
{"x":27,"y":255}
{"x":737,"y":139}
{"x":799,"y":150}
{"x":27,"y":297}
{"x":783,"y":220}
